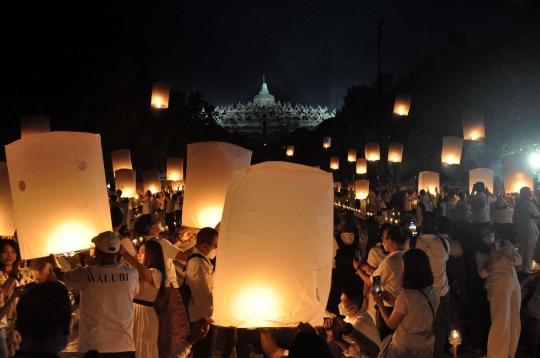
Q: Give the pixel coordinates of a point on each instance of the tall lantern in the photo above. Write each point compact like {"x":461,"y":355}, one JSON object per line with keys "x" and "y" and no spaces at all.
{"x":516,"y":172}
{"x":7,"y":216}
{"x":126,"y":180}
{"x":361,"y":166}
{"x":395,"y":152}
{"x":58,"y":183}
{"x":361,"y":187}
{"x":428,"y":180}
{"x":334,"y":163}
{"x":327,"y":141}
{"x":160,"y":94}
{"x":151,"y":181}
{"x":473,"y":125}
{"x":372,"y":152}
{"x":402,"y":104}
{"x":290,"y":150}
{"x":351,"y":156}
{"x":175,"y":168}
{"x":210,"y":166}
{"x":484,"y":175}
{"x":31,"y":125}
{"x":251,"y":235}
{"x":451,"y":151}
{"x":121,"y":159}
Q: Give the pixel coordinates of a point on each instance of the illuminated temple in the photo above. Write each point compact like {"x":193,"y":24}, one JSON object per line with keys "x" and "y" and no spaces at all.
{"x":266,"y":117}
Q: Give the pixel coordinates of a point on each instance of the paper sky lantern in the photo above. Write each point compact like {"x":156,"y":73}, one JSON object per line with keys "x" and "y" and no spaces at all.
{"x":473,"y":125}
{"x":160,"y":94}
{"x":140,"y":188}
{"x":151,"y":181}
{"x":126,"y":180}
{"x":372,"y":152}
{"x":428,"y":180}
{"x":7,"y":216}
{"x":31,"y":125}
{"x":395,"y":152}
{"x":288,"y":281}
{"x":451,"y":151}
{"x":210,"y":166}
{"x":483,"y":175}
{"x":175,"y":168}
{"x":402,"y":104}
{"x":516,"y":172}
{"x":334,"y":163}
{"x":121,"y":159}
{"x":290,"y":150}
{"x":177,"y":185}
{"x":361,"y":166}
{"x":59,"y":195}
{"x":337,"y":185}
{"x":327,"y":142}
{"x":351,"y":156}
{"x":361,"y":187}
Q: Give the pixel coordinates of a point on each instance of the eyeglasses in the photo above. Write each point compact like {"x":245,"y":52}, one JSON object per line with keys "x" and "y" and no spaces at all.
{"x":213,"y":245}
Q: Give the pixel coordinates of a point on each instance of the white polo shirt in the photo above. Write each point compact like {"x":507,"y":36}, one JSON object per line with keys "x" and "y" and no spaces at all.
{"x":391,"y":272}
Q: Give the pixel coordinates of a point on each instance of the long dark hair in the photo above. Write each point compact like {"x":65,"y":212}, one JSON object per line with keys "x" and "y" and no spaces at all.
{"x":417,"y":272}
{"x":13,"y":244}
{"x":153,"y":258}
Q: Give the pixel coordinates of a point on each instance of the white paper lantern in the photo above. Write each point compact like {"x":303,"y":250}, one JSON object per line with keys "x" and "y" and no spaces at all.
{"x":517,"y":173}
{"x":288,"y":280}
{"x":395,"y":152}
{"x":428,"y":180}
{"x":334,"y":163}
{"x":58,"y":183}
{"x":361,"y":189}
{"x":451,"y":151}
{"x":7,"y":216}
{"x":175,"y":168}
{"x":327,"y":142}
{"x":484,"y":175}
{"x":125,"y":180}
{"x":121,"y":159}
{"x":290,"y":150}
{"x":210,"y":166}
{"x":351,"y":155}
{"x":160,"y":94}
{"x":151,"y":181}
{"x":473,"y":125}
{"x":361,"y":166}
{"x":31,"y":125}
{"x":402,"y":104}
{"x":373,"y":152}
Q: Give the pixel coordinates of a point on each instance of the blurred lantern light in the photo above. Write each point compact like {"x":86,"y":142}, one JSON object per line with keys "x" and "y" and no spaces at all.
{"x":402,"y":104}
{"x":126,"y":180}
{"x":7,"y":216}
{"x":451,"y":151}
{"x":395,"y":152}
{"x":372,"y":152}
{"x":337,"y":186}
{"x":517,"y":172}
{"x":361,"y":188}
{"x":251,"y":235}
{"x":473,"y":125}
{"x":175,"y":168}
{"x":140,"y":188}
{"x":290,"y":150}
{"x":428,"y":181}
{"x":58,"y":180}
{"x":151,"y":181}
{"x":121,"y":159}
{"x":160,"y":94}
{"x":31,"y":125}
{"x":334,"y":163}
{"x":165,"y":184}
{"x":327,"y":142}
{"x":351,"y":156}
{"x":209,"y":169}
{"x":535,"y":160}
{"x":361,"y":166}
{"x":177,"y":185}
{"x":484,"y":175}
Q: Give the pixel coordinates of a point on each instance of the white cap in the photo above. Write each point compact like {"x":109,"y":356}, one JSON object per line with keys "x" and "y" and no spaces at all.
{"x":108,"y":242}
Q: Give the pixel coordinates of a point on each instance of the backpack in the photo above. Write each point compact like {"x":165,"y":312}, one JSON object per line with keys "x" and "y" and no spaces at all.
{"x":184,"y":289}
{"x":344,"y":258}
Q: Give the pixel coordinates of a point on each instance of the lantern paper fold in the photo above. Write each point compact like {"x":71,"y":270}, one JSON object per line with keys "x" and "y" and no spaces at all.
{"x":395,"y":152}
{"x":484,"y":175}
{"x":175,"y":169}
{"x":451,"y":151}
{"x":361,"y":166}
{"x":351,"y":155}
{"x":7,"y":215}
{"x":121,"y":159}
{"x":327,"y":142}
{"x":373,"y":152}
{"x":210,"y":166}
{"x":151,"y":181}
{"x":160,"y":94}
{"x":473,"y":125}
{"x":125,"y":180}
{"x":59,"y":192}
{"x":31,"y":125}
{"x":428,"y":180}
{"x":402,"y":104}
{"x":361,"y":187}
{"x":517,"y":173}
{"x":274,"y":259}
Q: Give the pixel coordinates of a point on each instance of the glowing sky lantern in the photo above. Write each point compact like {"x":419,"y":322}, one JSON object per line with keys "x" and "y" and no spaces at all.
{"x":31,"y":125}
{"x":484,"y":175}
{"x":337,"y":186}
{"x":428,"y":180}
{"x":473,"y":125}
{"x":334,"y":163}
{"x":361,"y":187}
{"x":58,"y":181}
{"x":160,"y":94}
{"x":351,"y":155}
{"x":395,"y":152}
{"x":121,"y":159}
{"x":210,"y":166}
{"x":126,"y":180}
{"x":516,"y":172}
{"x":327,"y":142}
{"x":288,"y":281}
{"x":175,"y":168}
{"x":451,"y":151}
{"x":7,"y":216}
{"x":402,"y":104}
{"x":361,"y":166}
{"x":373,"y":152}
{"x":290,"y":150}
{"x":151,"y":181}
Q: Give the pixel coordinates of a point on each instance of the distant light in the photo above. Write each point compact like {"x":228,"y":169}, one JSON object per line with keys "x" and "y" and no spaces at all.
{"x":535,"y":160}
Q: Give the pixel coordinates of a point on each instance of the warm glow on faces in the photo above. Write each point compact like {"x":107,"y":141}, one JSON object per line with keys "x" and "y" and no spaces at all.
{"x":142,"y":254}
{"x":8,"y":255}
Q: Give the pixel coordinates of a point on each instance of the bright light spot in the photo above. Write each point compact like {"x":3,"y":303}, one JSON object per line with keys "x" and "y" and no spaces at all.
{"x":535,"y":160}
{"x":473,"y":137}
{"x":257,"y":306}
{"x":158,"y":105}
{"x":210,"y":216}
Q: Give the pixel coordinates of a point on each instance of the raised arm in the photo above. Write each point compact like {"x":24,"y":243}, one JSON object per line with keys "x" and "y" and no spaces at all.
{"x":144,"y":273}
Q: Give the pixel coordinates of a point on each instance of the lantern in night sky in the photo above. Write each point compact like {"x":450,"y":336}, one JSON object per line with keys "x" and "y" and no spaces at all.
{"x":361,"y":166}
{"x":175,"y":168}
{"x":428,"y":181}
{"x":334,"y":163}
{"x":327,"y":142}
{"x":402,"y":104}
{"x":473,"y":125}
{"x":121,"y":159}
{"x":516,"y":172}
{"x":451,"y":151}
{"x":160,"y":94}
{"x":361,"y":187}
{"x":126,"y":180}
{"x":395,"y":152}
{"x":151,"y":181}
{"x":351,"y":155}
{"x":484,"y":175}
{"x":373,"y":152}
{"x":290,"y":150}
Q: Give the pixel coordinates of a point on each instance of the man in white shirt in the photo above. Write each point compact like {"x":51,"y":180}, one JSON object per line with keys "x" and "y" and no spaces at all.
{"x":526,"y":215}
{"x":480,"y":203}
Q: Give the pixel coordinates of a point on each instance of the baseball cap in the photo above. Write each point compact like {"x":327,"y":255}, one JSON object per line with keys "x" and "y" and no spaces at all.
{"x":108,"y":242}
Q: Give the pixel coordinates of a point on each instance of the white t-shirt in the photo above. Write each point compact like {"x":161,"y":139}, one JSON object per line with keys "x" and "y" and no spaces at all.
{"x":376,"y":255}
{"x":391,"y":272}
{"x":200,"y":278}
{"x":363,"y":323}
{"x":169,"y":253}
{"x":106,"y":306}
{"x":480,"y":204}
{"x":437,"y":254}
{"x":525,"y":214}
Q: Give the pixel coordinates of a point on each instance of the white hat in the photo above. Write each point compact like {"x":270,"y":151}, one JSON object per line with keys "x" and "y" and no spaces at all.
{"x":107,"y":242}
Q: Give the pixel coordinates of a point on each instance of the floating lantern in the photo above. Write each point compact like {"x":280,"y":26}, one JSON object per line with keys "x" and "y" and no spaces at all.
{"x":290,"y":150}
{"x":210,"y":166}
{"x":31,"y":125}
{"x":334,"y":163}
{"x":484,"y":175}
{"x":337,"y":186}
{"x":428,"y":181}
{"x":327,"y":141}
{"x":121,"y":159}
{"x":160,"y":94}
{"x":361,"y":166}
{"x":516,"y":172}
{"x":473,"y":125}
{"x":402,"y":104}
{"x":372,"y":152}
{"x":58,"y":183}
{"x":151,"y":181}
{"x":140,"y":188}
{"x":251,"y":235}
{"x":361,"y":188}
{"x":451,"y":151}
{"x":126,"y":180}
{"x":175,"y":168}
{"x":7,"y":216}
{"x":351,"y":156}
{"x":395,"y":152}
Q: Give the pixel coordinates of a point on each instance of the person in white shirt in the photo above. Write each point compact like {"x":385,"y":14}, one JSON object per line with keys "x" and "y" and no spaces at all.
{"x":526,"y":216}
{"x":480,"y":202}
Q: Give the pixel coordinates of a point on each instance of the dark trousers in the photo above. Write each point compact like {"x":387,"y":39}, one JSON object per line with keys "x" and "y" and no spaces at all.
{"x":440,"y":325}
{"x":204,"y":347}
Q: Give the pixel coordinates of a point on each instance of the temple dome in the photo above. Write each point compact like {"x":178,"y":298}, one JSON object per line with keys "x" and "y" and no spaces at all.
{"x":264,"y":98}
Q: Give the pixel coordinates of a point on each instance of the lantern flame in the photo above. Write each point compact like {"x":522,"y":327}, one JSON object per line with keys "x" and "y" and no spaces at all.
{"x":258,"y":305}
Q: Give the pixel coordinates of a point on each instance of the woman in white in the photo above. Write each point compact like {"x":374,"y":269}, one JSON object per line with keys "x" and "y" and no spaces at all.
{"x":414,"y":310}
